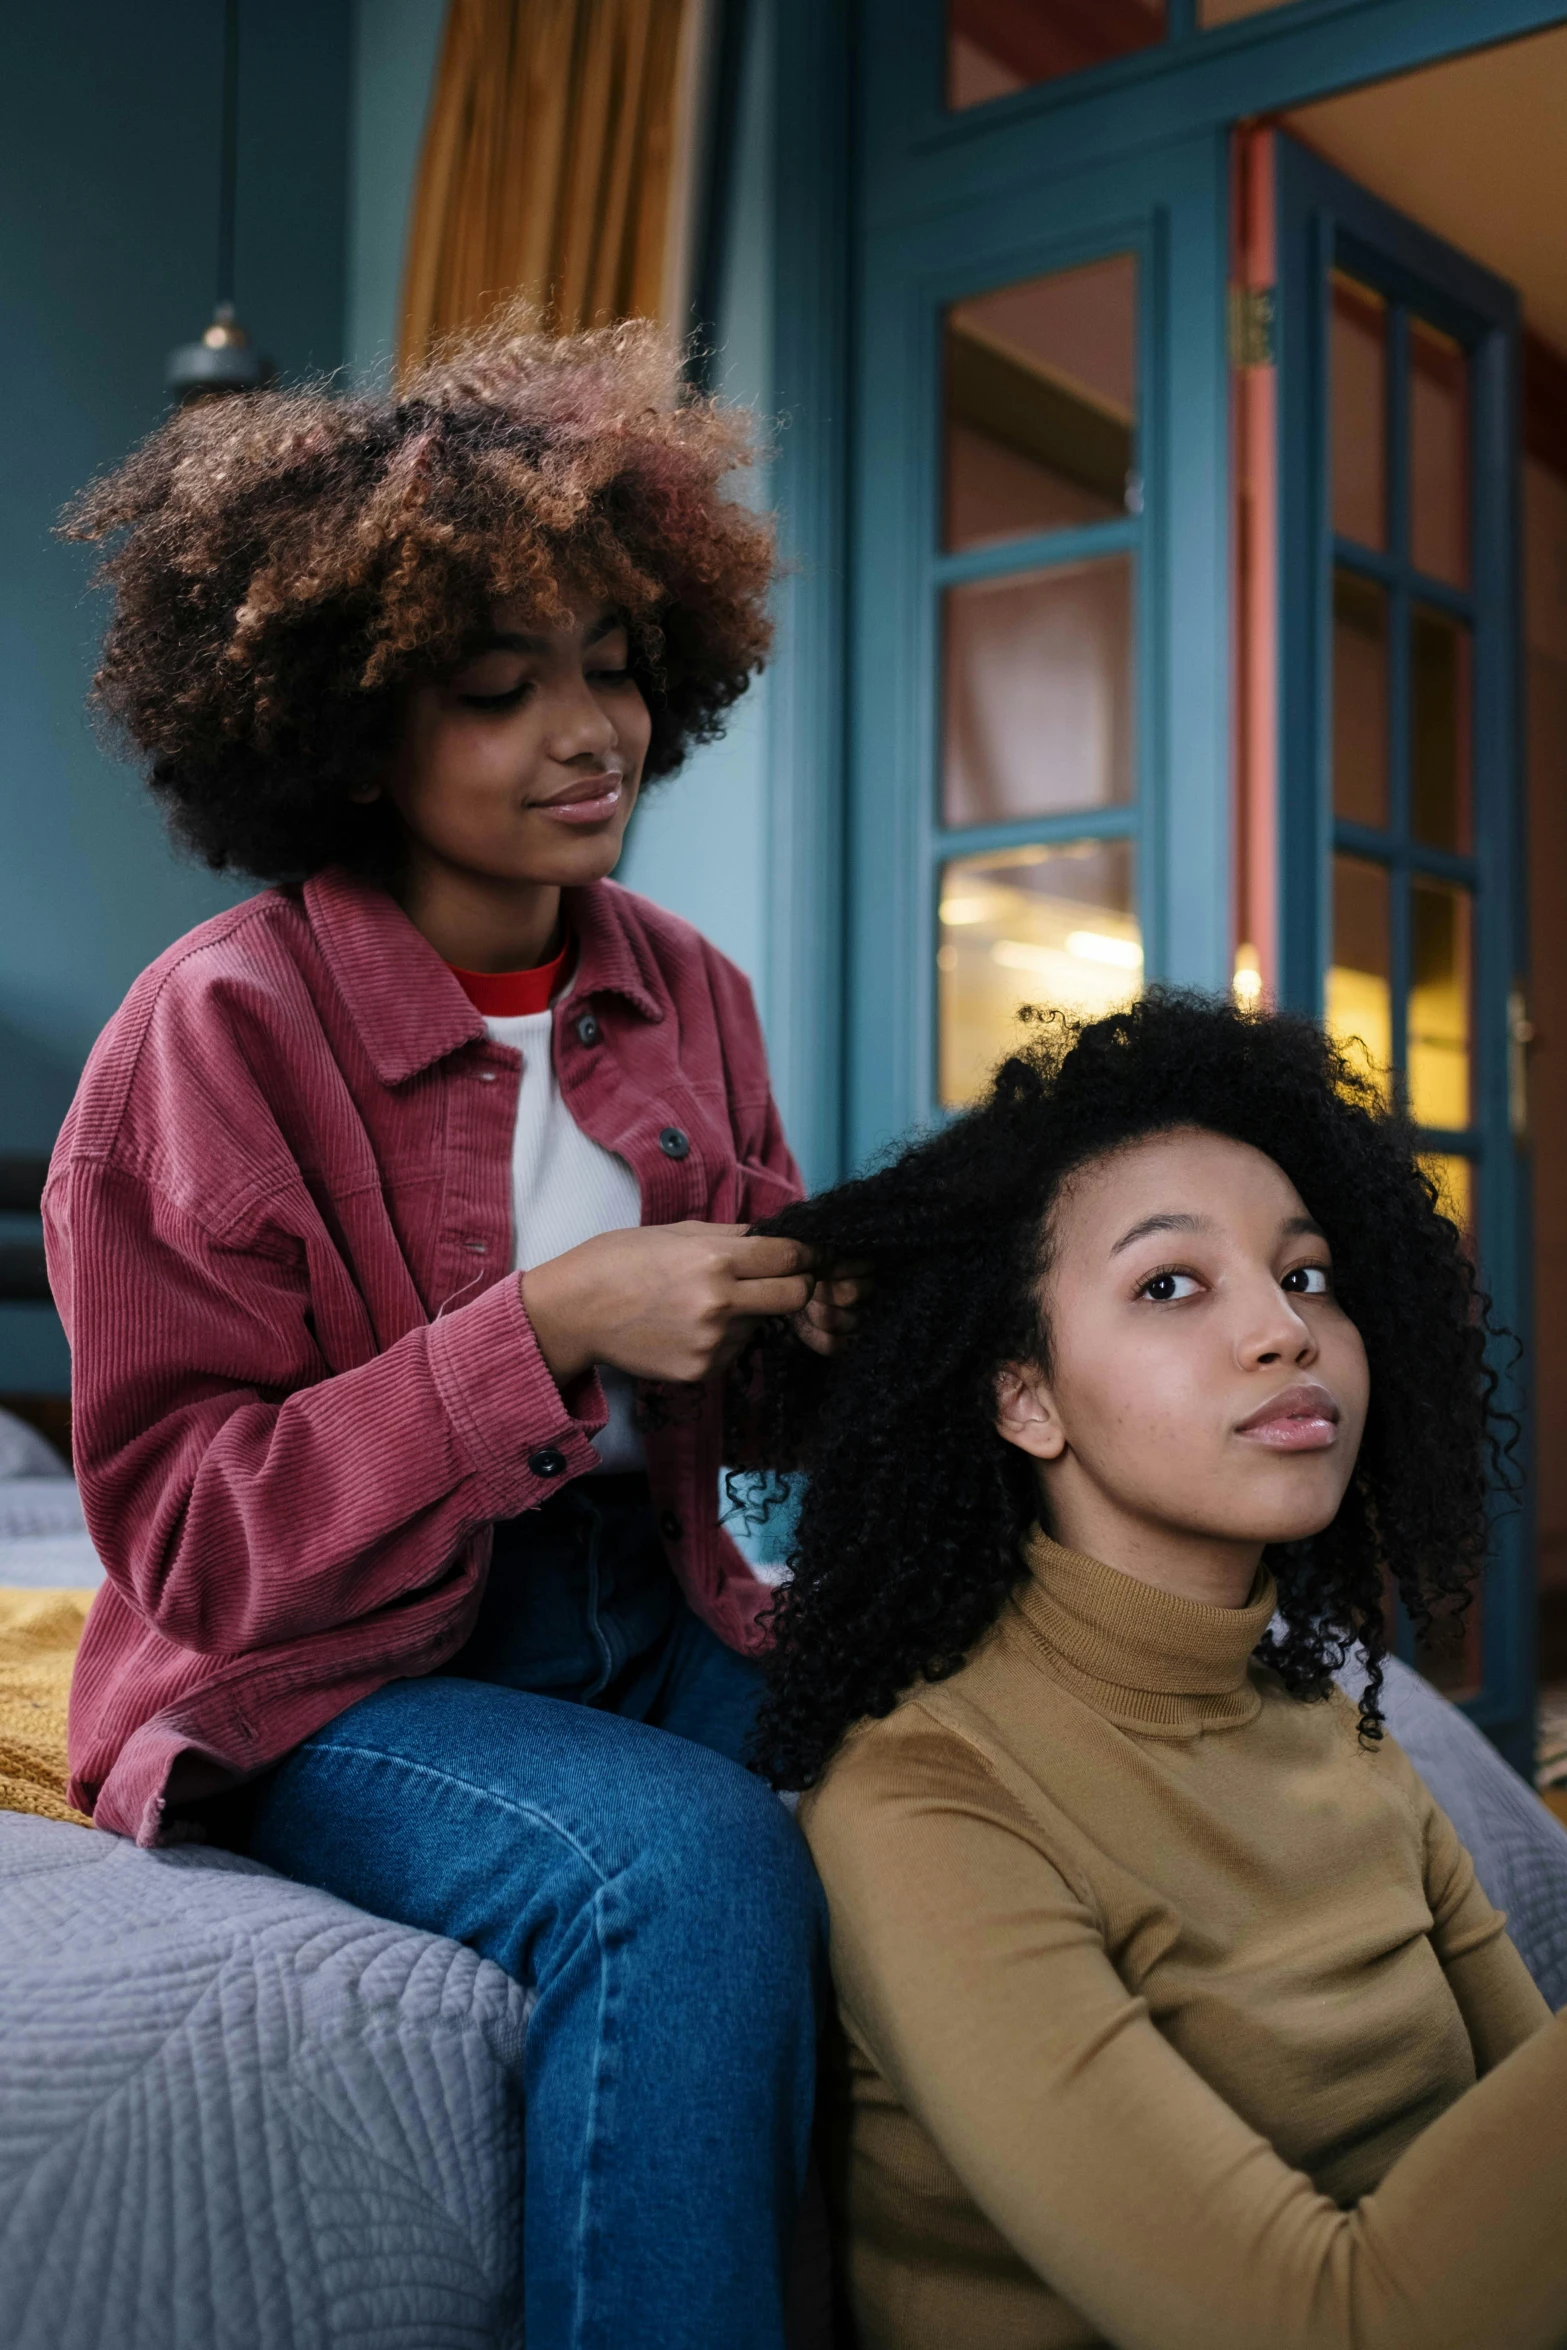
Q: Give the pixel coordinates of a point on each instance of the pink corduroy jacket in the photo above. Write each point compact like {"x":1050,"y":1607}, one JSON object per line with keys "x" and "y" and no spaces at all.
{"x":279,"y":1232}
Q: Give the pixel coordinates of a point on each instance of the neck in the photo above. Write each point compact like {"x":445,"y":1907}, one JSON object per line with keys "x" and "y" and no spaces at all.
{"x":1215,"y":1572}
{"x":478,"y":922}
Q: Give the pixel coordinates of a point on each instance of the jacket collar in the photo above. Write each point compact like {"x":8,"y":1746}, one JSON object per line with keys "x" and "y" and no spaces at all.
{"x":408,"y":1008}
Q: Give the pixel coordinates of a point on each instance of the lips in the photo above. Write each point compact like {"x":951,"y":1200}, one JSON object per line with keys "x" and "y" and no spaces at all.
{"x":589,"y":800}
{"x":1299,"y":1419}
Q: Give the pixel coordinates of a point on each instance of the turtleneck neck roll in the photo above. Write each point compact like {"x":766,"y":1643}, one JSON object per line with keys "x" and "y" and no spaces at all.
{"x":1139,"y":1654}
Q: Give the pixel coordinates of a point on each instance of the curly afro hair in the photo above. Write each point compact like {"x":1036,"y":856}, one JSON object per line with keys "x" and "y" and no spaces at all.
{"x":291,"y":562}
{"x":914,"y":1512}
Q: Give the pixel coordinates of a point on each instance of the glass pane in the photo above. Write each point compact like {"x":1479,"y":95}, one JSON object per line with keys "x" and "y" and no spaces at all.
{"x":1359,"y":1009}
{"x":995,"y":46}
{"x":1041,"y":392}
{"x":1053,"y":927}
{"x":1212,"y":12}
{"x":1358,"y":369}
{"x":1438,"y":455}
{"x":1038,"y":693}
{"x":1360,"y":700}
{"x":1455,"y":1187}
{"x":1439,"y":731}
{"x":1439,"y":987}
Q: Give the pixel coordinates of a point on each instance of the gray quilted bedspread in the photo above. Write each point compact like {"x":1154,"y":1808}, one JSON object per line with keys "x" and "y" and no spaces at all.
{"x":1519,"y":1850}
{"x":236,"y":2114}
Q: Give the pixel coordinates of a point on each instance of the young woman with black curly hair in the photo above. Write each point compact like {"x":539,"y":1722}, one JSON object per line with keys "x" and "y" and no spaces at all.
{"x":391,"y":1548}
{"x":1165,"y":1984}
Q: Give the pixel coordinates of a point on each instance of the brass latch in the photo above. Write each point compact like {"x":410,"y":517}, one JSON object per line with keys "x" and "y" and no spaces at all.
{"x":1253,"y":336}
{"x":1520,"y":1036}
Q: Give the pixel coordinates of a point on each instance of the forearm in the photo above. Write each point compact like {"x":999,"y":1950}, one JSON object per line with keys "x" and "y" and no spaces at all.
{"x":235,"y":1522}
{"x":977,"y":1980}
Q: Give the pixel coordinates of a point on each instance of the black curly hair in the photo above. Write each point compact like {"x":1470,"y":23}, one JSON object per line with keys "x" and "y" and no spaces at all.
{"x":911,"y":1527}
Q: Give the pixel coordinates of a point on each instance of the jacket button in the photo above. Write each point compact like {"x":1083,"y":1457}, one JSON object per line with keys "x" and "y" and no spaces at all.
{"x":547,"y":1462}
{"x":670,"y":1527}
{"x":674,"y":1143}
{"x":588,"y":1029}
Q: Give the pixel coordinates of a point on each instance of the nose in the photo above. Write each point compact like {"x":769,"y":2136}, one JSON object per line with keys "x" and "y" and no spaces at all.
{"x":580,"y":726}
{"x":1273,"y":1331}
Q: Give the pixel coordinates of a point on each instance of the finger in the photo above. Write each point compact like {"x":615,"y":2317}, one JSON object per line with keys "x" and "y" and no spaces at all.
{"x":758,"y":1298}
{"x":820,"y":1342}
{"x":764,"y":1258}
{"x":826,"y":1316}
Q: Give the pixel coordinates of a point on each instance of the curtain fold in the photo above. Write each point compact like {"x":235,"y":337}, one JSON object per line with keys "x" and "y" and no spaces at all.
{"x":548,"y":165}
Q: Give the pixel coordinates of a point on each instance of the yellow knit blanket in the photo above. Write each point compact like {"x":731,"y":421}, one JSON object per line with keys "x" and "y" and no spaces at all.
{"x":39,"y":1633}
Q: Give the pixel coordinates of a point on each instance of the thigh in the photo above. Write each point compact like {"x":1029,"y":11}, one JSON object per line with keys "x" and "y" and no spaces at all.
{"x":697,"y":1688}
{"x":501,"y":1818}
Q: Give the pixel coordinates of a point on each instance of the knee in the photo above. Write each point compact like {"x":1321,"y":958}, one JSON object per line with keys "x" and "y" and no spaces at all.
{"x":735,"y":1865}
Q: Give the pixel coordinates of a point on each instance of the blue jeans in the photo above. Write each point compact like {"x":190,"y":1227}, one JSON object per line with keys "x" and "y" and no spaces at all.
{"x":532,"y":1801}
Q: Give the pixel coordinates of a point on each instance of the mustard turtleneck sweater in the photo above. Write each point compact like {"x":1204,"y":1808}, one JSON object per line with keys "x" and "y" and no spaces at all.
{"x":1164,"y":2003}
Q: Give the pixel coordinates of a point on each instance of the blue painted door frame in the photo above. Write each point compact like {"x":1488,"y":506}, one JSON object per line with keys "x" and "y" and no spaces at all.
{"x":865,"y":152}
{"x":1325,"y":221}
{"x":1167,"y":209}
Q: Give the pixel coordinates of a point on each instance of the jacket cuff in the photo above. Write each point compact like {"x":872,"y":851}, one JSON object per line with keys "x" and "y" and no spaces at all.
{"x":521,"y":1439}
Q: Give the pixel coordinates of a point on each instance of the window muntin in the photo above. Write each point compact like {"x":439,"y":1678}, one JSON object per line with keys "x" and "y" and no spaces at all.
{"x":1036,"y":584}
{"x":1399,"y":990}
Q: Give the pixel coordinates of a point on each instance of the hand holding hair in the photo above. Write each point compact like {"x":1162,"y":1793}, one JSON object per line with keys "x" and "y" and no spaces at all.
{"x":669,"y":1301}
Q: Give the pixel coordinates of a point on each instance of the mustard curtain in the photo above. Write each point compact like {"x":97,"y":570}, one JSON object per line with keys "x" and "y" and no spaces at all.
{"x":547,"y":167}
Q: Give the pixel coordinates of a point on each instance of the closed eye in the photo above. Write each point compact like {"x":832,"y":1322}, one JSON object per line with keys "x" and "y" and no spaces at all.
{"x":511,"y":699}
{"x":1169,"y":1287}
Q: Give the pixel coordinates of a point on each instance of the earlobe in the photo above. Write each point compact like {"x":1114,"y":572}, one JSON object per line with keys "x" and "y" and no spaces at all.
{"x":1026,"y":1414}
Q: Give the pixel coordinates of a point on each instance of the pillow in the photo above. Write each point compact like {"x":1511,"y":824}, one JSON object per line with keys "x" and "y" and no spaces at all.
{"x":24,"y":1453}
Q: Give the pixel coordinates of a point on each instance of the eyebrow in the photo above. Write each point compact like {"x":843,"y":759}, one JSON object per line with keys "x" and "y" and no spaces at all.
{"x":1165,"y":1223}
{"x":1292,"y":1228}
{"x":515,"y":641}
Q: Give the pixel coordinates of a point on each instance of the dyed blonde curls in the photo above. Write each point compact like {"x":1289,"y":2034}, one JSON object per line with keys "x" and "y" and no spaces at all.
{"x":288,"y":564}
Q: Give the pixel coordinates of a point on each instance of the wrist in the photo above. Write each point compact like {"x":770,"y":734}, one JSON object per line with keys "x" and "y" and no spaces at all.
{"x":566,"y":1350}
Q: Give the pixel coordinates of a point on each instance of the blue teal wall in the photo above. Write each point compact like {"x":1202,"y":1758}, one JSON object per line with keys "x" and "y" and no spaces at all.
{"x":396,"y":44}
{"x":108,"y":191}
{"x":108,"y":176}
{"x":699,"y":844}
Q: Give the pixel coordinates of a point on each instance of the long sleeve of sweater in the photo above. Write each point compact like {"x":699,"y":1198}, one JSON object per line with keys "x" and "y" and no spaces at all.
{"x":975,"y":1979}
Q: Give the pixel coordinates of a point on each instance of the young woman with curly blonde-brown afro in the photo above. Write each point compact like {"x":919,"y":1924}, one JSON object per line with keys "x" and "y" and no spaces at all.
{"x":288,"y":565}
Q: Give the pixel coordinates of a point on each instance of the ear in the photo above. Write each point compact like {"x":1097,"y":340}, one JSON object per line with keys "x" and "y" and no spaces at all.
{"x":1025,"y":1412}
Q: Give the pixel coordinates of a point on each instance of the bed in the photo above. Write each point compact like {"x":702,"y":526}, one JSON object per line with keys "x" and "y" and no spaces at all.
{"x":238,"y":2111}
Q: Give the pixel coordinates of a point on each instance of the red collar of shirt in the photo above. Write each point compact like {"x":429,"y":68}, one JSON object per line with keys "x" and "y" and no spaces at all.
{"x":408,"y":1009}
{"x":507,"y":995}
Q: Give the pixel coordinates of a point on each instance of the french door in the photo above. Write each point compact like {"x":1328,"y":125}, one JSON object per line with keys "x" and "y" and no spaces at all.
{"x":1399,"y":883}
{"x":1040,"y":786}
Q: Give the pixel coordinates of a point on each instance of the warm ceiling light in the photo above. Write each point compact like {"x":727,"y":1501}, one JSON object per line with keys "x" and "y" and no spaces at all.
{"x":1097,"y":946}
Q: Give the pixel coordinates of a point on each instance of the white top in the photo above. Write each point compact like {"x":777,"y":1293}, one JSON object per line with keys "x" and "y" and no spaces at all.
{"x":566,"y":1188}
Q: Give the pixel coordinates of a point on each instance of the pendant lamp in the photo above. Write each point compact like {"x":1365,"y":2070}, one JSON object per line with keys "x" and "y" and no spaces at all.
{"x":224,"y":360}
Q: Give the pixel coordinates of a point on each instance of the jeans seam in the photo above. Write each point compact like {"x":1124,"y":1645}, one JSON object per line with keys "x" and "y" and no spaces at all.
{"x":524,"y":1811}
{"x":591,"y":2146}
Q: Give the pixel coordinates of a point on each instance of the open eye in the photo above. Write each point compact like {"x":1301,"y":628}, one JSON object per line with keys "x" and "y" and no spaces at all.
{"x":1308,"y":1281}
{"x":1168,"y":1288}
